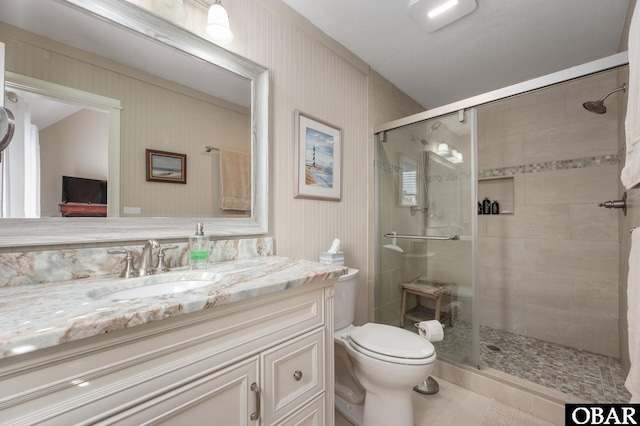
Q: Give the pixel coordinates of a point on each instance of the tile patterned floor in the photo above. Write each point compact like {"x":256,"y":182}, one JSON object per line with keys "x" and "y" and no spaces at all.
{"x":589,"y":376}
{"x":586,"y":375}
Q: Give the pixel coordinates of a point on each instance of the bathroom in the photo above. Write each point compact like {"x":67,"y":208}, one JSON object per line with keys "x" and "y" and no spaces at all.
{"x":267,"y":32}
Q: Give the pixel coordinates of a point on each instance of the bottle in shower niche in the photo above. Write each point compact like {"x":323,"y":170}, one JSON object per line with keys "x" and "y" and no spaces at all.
{"x":486,"y":206}
{"x":199,"y":249}
{"x":495,"y":207}
{"x":479,"y":207}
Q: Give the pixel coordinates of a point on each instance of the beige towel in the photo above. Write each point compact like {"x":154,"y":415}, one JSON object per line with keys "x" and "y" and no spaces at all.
{"x":630,"y":175}
{"x":633,"y":317}
{"x":235,"y":180}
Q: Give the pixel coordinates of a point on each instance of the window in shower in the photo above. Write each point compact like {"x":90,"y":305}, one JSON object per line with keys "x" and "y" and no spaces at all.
{"x":408,"y":181}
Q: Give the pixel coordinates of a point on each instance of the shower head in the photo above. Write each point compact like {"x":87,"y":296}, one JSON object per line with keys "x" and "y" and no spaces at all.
{"x":425,"y":142}
{"x":433,"y":127}
{"x":595,"y":106}
{"x":598,"y":106}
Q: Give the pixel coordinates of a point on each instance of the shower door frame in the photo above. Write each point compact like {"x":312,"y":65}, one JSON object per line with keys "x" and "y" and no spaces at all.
{"x":609,"y":62}
{"x":470,"y":104}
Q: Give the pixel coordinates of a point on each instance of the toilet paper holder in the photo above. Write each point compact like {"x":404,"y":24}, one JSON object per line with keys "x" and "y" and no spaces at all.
{"x":417,"y":325}
{"x":427,"y":334}
{"x":429,"y":386}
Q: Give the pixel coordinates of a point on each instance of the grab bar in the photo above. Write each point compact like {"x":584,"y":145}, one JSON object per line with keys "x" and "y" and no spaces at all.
{"x":421,"y":237}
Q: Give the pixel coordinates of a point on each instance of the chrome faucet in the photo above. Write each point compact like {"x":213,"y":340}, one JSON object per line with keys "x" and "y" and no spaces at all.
{"x":146,"y":266}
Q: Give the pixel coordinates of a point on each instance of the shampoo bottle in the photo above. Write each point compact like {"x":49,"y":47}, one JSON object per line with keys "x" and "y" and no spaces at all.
{"x":495,"y":207}
{"x":199,"y":249}
{"x":486,"y":206}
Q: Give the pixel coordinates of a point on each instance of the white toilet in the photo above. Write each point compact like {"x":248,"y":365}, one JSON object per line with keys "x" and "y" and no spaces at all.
{"x":376,"y":365}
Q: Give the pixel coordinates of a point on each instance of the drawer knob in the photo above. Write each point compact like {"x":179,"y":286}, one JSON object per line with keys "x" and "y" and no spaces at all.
{"x":297,"y":375}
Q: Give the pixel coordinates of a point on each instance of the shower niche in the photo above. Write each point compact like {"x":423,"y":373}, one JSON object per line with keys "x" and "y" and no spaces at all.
{"x":500,"y":189}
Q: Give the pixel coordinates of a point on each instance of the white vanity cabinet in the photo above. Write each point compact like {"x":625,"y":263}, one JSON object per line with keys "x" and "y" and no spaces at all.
{"x":264,"y":361}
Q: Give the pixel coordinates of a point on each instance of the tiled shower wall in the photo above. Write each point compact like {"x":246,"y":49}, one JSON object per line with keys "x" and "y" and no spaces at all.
{"x":550,"y":270}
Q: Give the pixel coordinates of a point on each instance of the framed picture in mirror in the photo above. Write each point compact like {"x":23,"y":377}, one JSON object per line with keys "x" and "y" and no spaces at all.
{"x":318,"y":147}
{"x":165,"y":166}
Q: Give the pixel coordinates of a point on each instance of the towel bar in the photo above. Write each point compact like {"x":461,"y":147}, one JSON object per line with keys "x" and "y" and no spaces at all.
{"x":421,"y":237}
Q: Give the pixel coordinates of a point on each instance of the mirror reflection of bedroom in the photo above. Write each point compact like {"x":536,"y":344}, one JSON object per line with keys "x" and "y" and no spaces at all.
{"x":57,"y":163}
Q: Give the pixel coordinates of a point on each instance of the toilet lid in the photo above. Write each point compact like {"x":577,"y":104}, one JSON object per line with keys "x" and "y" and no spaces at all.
{"x":391,"y":341}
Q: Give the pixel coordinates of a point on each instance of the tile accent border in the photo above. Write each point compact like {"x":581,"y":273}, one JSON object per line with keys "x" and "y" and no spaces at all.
{"x":577,"y":163}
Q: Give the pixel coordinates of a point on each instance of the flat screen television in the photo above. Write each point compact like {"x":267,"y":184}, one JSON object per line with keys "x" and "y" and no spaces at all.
{"x":81,"y":190}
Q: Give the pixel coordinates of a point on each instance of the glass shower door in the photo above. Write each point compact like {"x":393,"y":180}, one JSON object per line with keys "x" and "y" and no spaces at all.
{"x":426,"y":226}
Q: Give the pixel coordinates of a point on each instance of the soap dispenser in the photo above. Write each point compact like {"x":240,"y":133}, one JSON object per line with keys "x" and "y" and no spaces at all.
{"x":199,"y":249}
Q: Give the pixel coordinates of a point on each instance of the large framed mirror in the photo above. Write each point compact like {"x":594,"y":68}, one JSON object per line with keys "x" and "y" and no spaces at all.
{"x":203,"y":97}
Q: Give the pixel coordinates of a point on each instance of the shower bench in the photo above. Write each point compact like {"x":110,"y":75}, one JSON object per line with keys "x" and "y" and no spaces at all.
{"x":429,"y":289}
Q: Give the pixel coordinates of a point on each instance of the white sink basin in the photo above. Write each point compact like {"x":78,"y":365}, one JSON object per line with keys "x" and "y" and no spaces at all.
{"x":159,"y":289}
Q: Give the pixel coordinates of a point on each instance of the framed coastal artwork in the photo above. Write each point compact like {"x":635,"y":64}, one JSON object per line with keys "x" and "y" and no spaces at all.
{"x":318,"y":147}
{"x":165,"y":166}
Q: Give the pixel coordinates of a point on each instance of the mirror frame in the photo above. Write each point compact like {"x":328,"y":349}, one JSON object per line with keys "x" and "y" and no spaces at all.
{"x":59,"y":231}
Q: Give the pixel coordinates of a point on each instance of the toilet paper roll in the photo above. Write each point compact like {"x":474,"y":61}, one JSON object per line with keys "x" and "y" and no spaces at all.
{"x":431,"y":330}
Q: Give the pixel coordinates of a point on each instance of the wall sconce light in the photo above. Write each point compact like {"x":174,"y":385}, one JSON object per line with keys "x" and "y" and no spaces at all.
{"x":456,"y":157}
{"x":170,"y":9}
{"x":218,"y":24}
{"x":453,"y":155}
{"x":443,"y":150}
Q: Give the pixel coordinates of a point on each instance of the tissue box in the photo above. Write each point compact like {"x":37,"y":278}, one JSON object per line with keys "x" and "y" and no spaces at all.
{"x":332,"y":258}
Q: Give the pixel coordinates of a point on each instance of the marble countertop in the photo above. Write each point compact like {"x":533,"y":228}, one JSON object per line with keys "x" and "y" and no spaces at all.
{"x":45,"y":315}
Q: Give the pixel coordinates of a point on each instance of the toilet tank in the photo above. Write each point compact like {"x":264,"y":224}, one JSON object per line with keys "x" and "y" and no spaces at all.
{"x":345,"y":300}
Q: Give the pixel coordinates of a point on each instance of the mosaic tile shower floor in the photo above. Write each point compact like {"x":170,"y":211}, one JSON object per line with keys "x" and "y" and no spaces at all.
{"x":586,"y":375}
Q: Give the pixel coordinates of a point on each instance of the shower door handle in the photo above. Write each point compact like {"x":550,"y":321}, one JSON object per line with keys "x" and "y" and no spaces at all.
{"x":422,"y":237}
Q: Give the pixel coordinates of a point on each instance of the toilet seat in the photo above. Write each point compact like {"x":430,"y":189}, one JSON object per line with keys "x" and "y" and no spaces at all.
{"x":391,"y":344}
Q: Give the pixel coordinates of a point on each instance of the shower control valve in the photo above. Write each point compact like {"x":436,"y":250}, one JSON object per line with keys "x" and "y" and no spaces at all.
{"x":616,"y":204}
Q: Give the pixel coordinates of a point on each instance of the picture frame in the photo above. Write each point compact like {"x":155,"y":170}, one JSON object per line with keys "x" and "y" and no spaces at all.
{"x":318,"y":153}
{"x":163,"y":166}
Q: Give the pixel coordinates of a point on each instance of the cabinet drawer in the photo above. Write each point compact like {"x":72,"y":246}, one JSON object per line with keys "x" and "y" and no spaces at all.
{"x":223,"y":398}
{"x":311,"y":415}
{"x":294,"y":373}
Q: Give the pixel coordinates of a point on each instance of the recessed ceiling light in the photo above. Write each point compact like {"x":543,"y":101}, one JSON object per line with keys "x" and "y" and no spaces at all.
{"x":432,"y":15}
{"x":439,"y":10}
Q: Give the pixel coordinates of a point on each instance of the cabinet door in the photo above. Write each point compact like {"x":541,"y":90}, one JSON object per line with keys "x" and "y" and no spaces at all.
{"x":311,"y":415}
{"x":222,"y":398}
{"x":293,"y":375}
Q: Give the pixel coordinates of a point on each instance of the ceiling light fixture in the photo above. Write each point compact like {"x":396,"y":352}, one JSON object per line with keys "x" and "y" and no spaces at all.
{"x":170,"y":9}
{"x":218,"y":28}
{"x":442,"y":8}
{"x":432,"y":15}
